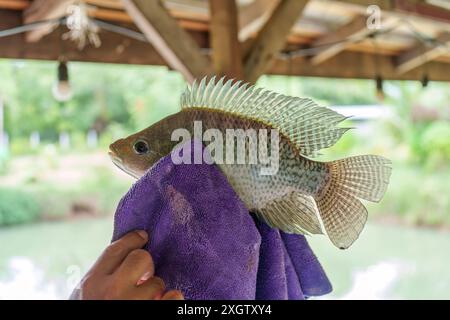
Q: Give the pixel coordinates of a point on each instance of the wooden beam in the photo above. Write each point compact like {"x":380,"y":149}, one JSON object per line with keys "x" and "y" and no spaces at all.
{"x":226,"y":51}
{"x":41,"y":10}
{"x":418,"y":8}
{"x":253,"y":16}
{"x":110,"y":4}
{"x":37,"y":11}
{"x":355,"y":29}
{"x":121,"y":50}
{"x":368,"y":47}
{"x":422,"y":54}
{"x":14,"y":4}
{"x":115,"y":48}
{"x":188,"y":9}
{"x":110,"y":15}
{"x":122,"y":16}
{"x":168,"y":38}
{"x":424,"y":9}
{"x":358,"y":65}
{"x":179,"y":9}
{"x":272,"y":38}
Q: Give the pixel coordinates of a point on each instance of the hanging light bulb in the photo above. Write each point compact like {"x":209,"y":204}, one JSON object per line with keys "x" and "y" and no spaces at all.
{"x":379,"y":84}
{"x":61,"y":89}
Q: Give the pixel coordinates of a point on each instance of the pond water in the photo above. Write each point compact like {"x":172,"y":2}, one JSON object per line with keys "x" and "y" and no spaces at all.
{"x":46,"y":260}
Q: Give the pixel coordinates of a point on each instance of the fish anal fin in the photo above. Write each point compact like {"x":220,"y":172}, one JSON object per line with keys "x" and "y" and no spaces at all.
{"x":294,"y":213}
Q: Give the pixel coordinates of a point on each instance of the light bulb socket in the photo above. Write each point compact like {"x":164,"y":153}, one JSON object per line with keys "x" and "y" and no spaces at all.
{"x":379,"y":83}
{"x":63,"y":71}
{"x":425,"y":81}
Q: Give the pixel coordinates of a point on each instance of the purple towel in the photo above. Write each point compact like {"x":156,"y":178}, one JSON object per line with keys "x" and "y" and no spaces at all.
{"x":205,"y":243}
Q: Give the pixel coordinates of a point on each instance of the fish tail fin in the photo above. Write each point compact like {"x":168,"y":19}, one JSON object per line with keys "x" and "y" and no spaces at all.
{"x":342,"y":213}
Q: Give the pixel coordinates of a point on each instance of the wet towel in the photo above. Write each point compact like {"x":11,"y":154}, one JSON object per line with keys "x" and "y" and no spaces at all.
{"x":205,"y":243}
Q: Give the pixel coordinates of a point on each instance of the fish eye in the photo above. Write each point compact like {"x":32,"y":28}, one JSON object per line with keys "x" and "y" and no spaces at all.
{"x":141,"y":147}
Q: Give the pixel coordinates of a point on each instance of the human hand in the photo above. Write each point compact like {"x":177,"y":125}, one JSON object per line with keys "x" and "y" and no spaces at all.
{"x":124,"y":271}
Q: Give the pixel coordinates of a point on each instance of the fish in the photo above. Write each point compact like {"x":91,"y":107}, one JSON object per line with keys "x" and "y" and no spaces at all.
{"x":303,"y":196}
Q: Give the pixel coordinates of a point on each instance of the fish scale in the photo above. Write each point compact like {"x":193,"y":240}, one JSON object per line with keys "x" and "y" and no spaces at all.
{"x":295,"y":173}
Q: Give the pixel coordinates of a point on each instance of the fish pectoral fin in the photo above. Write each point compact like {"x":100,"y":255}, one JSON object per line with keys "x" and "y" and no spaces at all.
{"x":294,"y":213}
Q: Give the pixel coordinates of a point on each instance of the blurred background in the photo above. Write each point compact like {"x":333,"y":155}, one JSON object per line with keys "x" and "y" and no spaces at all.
{"x":59,"y":189}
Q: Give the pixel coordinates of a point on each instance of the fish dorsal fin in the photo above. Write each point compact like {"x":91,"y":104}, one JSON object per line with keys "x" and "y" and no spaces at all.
{"x":309,"y":126}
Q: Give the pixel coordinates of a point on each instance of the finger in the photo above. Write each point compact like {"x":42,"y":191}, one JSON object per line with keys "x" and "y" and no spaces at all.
{"x":152,"y":289}
{"x":116,"y":252}
{"x":136,"y":266}
{"x":173,"y":295}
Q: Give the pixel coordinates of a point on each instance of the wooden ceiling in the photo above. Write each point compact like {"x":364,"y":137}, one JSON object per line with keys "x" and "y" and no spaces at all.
{"x":245,"y":38}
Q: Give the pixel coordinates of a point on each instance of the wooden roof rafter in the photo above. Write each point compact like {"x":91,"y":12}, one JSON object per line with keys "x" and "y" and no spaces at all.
{"x":272,"y":38}
{"x":253,"y":16}
{"x":357,"y":27}
{"x":168,"y":38}
{"x":417,"y":8}
{"x":331,"y":29}
{"x":421,"y":53}
{"x":41,"y":10}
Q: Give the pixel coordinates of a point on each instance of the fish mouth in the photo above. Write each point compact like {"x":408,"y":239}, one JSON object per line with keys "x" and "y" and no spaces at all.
{"x":114,"y":157}
{"x":118,"y":162}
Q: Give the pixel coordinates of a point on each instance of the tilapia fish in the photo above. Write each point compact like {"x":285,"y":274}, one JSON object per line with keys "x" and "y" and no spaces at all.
{"x":303,"y":196}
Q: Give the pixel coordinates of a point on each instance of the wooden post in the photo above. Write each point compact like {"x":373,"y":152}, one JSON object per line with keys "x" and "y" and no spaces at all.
{"x":226,"y":51}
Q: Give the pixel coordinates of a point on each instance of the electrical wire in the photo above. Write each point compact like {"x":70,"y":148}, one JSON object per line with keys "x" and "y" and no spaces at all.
{"x":29,"y":27}
{"x":120,"y":30}
{"x":316,"y":49}
{"x":63,"y":21}
{"x":283,"y":55}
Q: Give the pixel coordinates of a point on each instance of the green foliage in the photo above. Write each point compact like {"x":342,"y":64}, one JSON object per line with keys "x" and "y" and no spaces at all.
{"x":328,"y":91}
{"x":4,"y":160}
{"x":435,"y":142}
{"x":427,"y":141}
{"x":105,"y":187}
{"x":118,"y":100}
{"x":129,"y":97}
{"x":99,"y":193}
{"x":416,"y":196}
{"x":17,"y":206}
